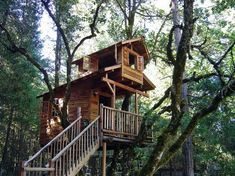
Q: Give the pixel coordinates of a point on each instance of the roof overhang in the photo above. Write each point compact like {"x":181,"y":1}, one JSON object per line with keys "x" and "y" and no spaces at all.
{"x":137,"y":43}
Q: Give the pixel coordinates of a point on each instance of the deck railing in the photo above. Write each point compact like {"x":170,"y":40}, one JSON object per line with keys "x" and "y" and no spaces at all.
{"x":120,"y":123}
{"x":67,"y":153}
{"x":72,"y":158}
{"x":40,"y":163}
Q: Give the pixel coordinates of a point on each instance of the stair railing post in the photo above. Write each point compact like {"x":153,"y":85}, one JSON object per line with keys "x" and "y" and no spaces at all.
{"x":101,"y":123}
{"x":51,"y":165}
{"x":22,"y":171}
{"x":78,"y":115}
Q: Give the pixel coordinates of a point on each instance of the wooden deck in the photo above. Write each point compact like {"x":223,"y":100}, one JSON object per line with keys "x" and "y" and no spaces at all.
{"x":67,"y":153}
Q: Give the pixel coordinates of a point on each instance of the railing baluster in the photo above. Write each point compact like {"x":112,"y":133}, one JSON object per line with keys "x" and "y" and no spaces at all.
{"x":120,"y":123}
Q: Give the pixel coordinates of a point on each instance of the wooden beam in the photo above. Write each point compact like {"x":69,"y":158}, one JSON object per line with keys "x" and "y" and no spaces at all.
{"x":116,"y":58}
{"x":136,"y":103}
{"x":110,"y":87}
{"x":130,"y":89}
{"x":112,"y":67}
{"x":132,"y":51}
{"x":104,"y":159}
{"x":118,"y":132}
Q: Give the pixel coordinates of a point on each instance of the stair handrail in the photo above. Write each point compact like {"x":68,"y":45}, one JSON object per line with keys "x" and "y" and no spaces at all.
{"x":74,"y":140}
{"x":52,"y":141}
{"x":73,"y":157}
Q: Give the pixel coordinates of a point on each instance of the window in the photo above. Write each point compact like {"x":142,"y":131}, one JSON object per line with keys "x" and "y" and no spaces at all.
{"x":59,"y":102}
{"x":132,"y":61}
{"x":86,"y":63}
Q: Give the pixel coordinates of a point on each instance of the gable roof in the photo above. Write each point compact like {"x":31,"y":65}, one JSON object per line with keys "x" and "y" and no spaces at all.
{"x":137,"y":43}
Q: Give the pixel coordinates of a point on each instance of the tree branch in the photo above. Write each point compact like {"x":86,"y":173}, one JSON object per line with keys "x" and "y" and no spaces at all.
{"x":123,"y":11}
{"x":169,"y":44}
{"x":225,"y":53}
{"x":198,"y":78}
{"x":65,"y":40}
{"x":221,"y":95}
{"x":158,"y":33}
{"x":15,"y":49}
{"x":92,"y":28}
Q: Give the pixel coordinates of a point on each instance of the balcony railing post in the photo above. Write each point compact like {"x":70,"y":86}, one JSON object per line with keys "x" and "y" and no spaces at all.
{"x":101,"y":122}
{"x":137,"y":124}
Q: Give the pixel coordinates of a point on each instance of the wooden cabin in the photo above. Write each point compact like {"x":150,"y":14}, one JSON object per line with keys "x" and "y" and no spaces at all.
{"x":102,"y":77}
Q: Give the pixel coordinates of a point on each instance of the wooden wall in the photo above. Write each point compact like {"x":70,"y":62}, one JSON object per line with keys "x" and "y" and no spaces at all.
{"x":81,"y":96}
{"x":94,"y":106}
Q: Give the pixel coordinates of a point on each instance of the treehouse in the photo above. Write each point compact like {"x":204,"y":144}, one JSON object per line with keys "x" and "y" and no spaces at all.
{"x":103,"y":79}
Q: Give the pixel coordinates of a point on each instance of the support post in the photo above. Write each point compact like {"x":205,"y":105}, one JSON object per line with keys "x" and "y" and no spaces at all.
{"x":113,"y":101}
{"x":137,"y":112}
{"x":22,"y":171}
{"x":136,"y":103}
{"x":104,"y":159}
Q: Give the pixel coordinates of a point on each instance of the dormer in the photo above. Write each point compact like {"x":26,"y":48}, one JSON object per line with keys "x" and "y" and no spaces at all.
{"x":127,"y":56}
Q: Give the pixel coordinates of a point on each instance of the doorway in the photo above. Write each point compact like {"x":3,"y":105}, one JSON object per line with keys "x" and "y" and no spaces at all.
{"x":106,"y":101}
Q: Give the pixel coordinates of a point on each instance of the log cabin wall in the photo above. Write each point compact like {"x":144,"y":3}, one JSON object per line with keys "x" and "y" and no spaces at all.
{"x":45,"y":109}
{"x":79,"y":98}
{"x":94,"y":105}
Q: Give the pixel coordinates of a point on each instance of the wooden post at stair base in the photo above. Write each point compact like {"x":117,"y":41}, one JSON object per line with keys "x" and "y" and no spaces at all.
{"x":104,"y":159}
{"x":22,"y":172}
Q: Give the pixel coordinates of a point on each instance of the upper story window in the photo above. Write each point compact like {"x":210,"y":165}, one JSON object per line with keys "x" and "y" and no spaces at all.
{"x":133,"y":59}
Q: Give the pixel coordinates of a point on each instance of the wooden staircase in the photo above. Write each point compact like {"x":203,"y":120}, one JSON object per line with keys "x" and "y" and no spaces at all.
{"x":67,"y":153}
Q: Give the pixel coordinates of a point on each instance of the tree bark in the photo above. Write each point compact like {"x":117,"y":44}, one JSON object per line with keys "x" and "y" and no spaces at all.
{"x":57,"y":58}
{"x":160,"y":149}
{"x":58,"y":46}
{"x":187,"y":149}
{"x":5,"y":147}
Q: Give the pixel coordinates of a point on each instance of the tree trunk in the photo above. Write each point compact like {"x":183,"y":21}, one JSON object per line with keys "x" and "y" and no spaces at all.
{"x":4,"y":151}
{"x":187,"y":148}
{"x":57,"y":58}
{"x":58,"y":47}
{"x":188,"y":157}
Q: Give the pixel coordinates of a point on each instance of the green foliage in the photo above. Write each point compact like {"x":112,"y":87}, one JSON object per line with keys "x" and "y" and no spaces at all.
{"x":20,"y":84}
